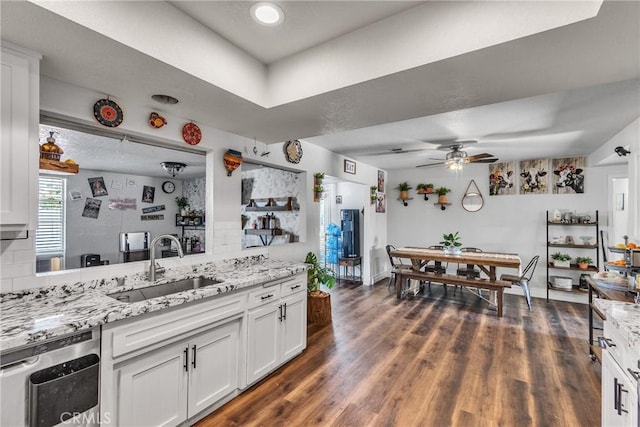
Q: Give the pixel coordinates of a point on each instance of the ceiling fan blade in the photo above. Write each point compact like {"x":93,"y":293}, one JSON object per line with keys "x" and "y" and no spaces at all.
{"x":390,"y":151}
{"x":479,"y":156}
{"x":484,"y":160}
{"x":430,"y":164}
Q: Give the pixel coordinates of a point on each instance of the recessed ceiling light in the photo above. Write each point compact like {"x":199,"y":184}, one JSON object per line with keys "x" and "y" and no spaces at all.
{"x":164,"y":99}
{"x":267,"y":13}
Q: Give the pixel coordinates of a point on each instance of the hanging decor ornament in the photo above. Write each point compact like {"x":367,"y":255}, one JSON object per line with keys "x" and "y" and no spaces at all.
{"x":191,"y":134}
{"x":156,"y":120}
{"x":293,"y":151}
{"x":108,"y":113}
{"x":232,"y":159}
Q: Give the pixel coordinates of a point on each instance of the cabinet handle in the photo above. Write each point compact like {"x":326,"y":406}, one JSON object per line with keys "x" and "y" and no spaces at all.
{"x":264,"y":297}
{"x":606,"y":342}
{"x":284,"y":317}
{"x":620,"y":390}
{"x":295,"y":287}
{"x":280,"y":315}
{"x":186,"y":359}
{"x":634,"y":374}
{"x":193,"y":362}
{"x":615,"y":395}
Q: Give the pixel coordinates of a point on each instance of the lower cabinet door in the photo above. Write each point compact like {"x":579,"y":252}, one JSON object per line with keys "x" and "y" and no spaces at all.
{"x":263,"y":348}
{"x":153,"y":388}
{"x":214,"y":357}
{"x":294,"y":326}
{"x":619,"y":396}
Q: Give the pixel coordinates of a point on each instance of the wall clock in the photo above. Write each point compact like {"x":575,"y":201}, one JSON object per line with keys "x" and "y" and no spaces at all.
{"x":168,"y":187}
{"x":108,"y":113}
{"x":293,"y":151}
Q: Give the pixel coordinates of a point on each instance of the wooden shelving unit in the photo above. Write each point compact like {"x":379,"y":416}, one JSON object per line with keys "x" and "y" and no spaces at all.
{"x":272,"y":206}
{"x":56,"y":167}
{"x":594,"y":225}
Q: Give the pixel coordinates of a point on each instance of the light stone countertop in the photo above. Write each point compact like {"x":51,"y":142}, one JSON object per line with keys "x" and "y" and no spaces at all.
{"x":38,"y":315}
{"x":624,"y":315}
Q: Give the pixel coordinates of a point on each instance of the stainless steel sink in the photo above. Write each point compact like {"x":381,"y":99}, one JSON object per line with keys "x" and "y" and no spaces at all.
{"x":155,"y":291}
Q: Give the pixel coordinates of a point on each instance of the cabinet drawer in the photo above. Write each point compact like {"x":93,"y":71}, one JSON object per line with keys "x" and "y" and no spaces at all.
{"x":293,"y":286}
{"x":262,"y":296}
{"x":157,"y":328}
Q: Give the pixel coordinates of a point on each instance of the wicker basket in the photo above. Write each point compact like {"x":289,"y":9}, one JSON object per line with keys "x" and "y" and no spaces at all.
{"x":50,"y":156}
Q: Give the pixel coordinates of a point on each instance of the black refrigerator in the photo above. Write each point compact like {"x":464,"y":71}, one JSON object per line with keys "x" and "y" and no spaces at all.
{"x":350,"y":223}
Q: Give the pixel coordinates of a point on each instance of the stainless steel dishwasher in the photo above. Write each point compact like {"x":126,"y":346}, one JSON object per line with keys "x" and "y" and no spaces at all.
{"x":52,"y":383}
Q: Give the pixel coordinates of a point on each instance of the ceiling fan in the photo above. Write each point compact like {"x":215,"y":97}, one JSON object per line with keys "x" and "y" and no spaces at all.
{"x":457,"y":157}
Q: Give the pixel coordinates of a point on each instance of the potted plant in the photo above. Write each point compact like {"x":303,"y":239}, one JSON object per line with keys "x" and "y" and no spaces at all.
{"x":373,"y":195}
{"x":583,"y":262}
{"x":424,"y":188}
{"x":451,"y":242}
{"x":183,"y":205}
{"x":404,"y":188}
{"x":317,"y":186}
{"x":561,"y":260}
{"x":442,"y":194}
{"x":318,"y":301}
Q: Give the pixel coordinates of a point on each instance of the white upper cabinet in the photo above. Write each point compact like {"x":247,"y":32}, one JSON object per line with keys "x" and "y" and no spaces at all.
{"x":19,"y":114}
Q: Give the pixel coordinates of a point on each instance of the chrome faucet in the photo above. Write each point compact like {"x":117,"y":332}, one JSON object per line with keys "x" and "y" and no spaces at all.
{"x":153,"y":266}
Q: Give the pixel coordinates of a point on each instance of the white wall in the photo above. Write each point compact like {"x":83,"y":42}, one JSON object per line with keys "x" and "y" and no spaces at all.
{"x":100,"y":235}
{"x":223,"y":234}
{"x":505,"y":223}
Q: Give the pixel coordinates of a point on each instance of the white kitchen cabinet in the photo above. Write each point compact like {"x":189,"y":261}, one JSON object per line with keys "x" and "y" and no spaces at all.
{"x":619,"y":395}
{"x":153,"y":389}
{"x":215,"y":358}
{"x":19,"y":116}
{"x":276,"y":326}
{"x":167,"y":386}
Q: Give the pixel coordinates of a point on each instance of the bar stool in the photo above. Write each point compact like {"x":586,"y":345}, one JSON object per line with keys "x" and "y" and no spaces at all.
{"x":396,"y":267}
{"x":469,"y":271}
{"x":524,"y":279}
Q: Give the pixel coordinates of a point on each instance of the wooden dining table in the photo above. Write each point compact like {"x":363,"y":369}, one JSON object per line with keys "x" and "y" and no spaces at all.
{"x":487,"y":262}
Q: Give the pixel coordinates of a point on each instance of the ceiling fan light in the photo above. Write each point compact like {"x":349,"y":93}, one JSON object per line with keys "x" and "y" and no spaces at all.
{"x":173,"y":167}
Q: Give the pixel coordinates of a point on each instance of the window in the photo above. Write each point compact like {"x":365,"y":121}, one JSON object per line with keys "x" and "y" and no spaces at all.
{"x":51,"y":209}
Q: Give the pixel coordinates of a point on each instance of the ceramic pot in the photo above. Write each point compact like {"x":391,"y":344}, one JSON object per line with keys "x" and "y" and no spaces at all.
{"x":442,"y":199}
{"x":404,"y":195}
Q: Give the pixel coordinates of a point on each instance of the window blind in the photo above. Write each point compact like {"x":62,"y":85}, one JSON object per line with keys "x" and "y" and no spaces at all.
{"x":50,"y":233}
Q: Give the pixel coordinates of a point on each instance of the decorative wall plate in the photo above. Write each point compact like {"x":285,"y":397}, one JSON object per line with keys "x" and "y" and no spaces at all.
{"x":191,"y":134}
{"x":108,"y":113}
{"x":156,"y":120}
{"x":293,"y":151}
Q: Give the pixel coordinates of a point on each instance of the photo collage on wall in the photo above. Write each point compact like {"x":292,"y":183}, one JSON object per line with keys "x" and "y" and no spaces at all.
{"x":564,"y":176}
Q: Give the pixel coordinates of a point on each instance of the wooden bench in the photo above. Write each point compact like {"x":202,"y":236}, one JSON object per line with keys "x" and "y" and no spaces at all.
{"x":481,"y":283}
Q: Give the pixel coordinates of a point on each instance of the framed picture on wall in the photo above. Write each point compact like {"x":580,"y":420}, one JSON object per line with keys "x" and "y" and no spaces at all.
{"x":148,"y":194}
{"x":381,"y":181}
{"x":349,"y":166}
{"x":97,"y":186}
{"x":380,"y":203}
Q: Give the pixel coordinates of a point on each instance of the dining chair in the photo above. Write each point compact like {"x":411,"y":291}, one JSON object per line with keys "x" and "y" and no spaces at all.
{"x":436,"y":267}
{"x":396,"y":266}
{"x":524,"y":279}
{"x":470,"y":271}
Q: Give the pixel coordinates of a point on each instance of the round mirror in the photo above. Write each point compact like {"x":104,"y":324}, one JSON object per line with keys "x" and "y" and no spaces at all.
{"x":472,"y":202}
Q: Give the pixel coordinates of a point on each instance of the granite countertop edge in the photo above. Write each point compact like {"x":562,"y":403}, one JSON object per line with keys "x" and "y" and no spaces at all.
{"x":624,"y":315}
{"x":41,"y":314}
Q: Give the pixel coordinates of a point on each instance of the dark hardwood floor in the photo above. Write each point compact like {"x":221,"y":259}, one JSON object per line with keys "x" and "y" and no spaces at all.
{"x":432,"y":360}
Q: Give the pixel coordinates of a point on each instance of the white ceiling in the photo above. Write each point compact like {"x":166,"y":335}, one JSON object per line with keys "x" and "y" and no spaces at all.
{"x":548,"y":82}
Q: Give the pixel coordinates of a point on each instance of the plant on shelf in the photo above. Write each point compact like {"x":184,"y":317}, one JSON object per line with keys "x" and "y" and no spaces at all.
{"x":183,"y":204}
{"x":442,"y":194}
{"x":560,"y":259}
{"x":317,"y":186}
{"x":404,"y":188}
{"x":318,"y":301}
{"x":372,"y":194}
{"x":425,"y":188}
{"x":583,"y":262}
{"x":451,"y":242}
